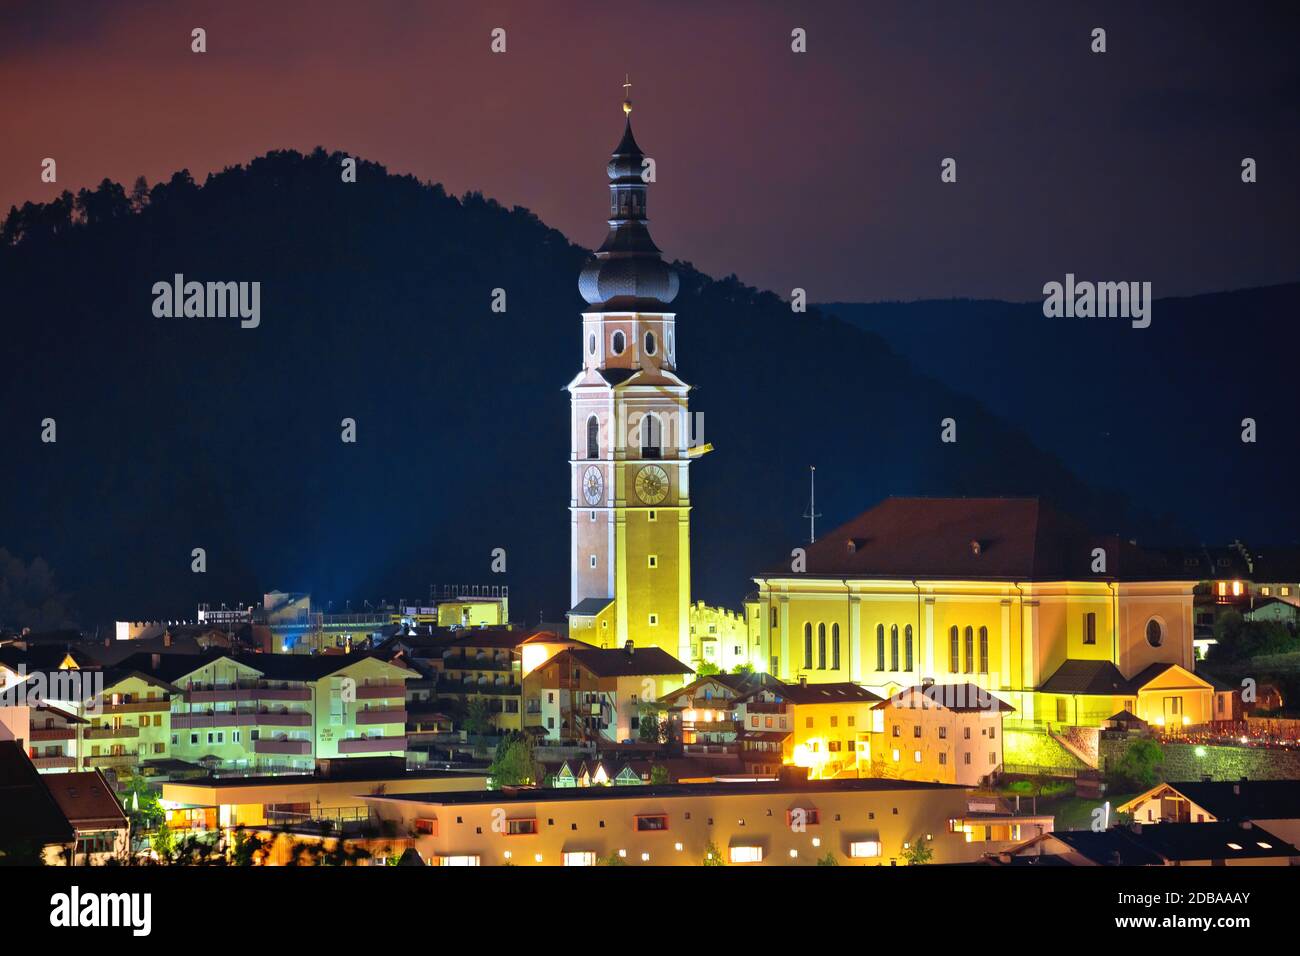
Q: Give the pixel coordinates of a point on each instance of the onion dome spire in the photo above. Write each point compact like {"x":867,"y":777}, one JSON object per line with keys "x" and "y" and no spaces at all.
{"x":626,"y":272}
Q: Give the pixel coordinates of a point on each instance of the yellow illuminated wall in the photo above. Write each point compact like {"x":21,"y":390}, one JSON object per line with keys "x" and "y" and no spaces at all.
{"x":1019,"y":634}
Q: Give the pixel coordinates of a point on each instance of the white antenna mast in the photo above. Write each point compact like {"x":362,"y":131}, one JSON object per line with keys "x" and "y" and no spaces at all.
{"x":813,"y":514}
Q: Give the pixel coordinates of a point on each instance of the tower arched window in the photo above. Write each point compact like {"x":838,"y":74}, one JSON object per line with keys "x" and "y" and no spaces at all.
{"x":954,"y":650}
{"x":618,"y":343}
{"x":649,"y":343}
{"x":593,"y":437}
{"x":907,"y":648}
{"x":807,"y":646}
{"x":835,"y":646}
{"x":984,"y":650}
{"x":970,"y":648}
{"x":821,"y":646}
{"x":651,"y":436}
{"x":880,"y":647}
{"x":893,"y":647}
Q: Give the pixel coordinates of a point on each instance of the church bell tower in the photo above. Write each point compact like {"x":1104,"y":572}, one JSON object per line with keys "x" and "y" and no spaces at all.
{"x":629,"y":440}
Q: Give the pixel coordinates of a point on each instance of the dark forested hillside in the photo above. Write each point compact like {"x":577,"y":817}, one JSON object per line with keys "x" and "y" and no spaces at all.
{"x":176,"y":433}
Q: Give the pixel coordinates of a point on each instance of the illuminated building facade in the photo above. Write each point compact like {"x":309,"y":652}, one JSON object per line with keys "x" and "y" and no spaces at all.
{"x":858,"y":822}
{"x":1005,"y":593}
{"x":629,"y":456}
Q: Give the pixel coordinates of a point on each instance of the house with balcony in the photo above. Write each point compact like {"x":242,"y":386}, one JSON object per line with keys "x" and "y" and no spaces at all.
{"x":128,"y":723}
{"x":943,"y":733}
{"x":460,"y":668}
{"x":280,"y":712}
{"x":595,"y":695}
{"x":54,"y":738}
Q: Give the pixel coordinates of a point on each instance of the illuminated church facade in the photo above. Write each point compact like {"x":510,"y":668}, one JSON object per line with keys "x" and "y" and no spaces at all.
{"x":629,"y":455}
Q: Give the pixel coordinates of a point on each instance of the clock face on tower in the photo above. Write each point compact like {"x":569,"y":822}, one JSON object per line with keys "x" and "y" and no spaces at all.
{"x":652,"y":484}
{"x":593,"y":485}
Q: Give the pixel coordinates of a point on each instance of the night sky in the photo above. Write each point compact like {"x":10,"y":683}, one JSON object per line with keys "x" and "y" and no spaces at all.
{"x":818,"y":170}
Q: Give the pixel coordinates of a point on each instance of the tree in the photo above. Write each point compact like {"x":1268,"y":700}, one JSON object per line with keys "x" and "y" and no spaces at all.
{"x":918,"y":852}
{"x":514,"y":764}
{"x":659,"y":774}
{"x":706,"y":669}
{"x":141,"y":804}
{"x":478,"y":717}
{"x":29,"y":596}
{"x":650,"y":726}
{"x":829,"y":859}
{"x":1138,"y":767}
{"x":246,"y":847}
{"x":613,"y":859}
{"x":1237,"y":639}
{"x":745,"y":670}
{"x":712,"y":855}
{"x":139,"y":194}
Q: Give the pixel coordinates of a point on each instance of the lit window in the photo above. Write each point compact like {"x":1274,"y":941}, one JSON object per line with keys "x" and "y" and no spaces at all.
{"x":522,"y":827}
{"x":916,"y":756}
{"x":864,"y":848}
{"x":1236,"y":589}
{"x":652,"y":822}
{"x":580,"y":858}
{"x":746,"y":854}
{"x":458,"y":861}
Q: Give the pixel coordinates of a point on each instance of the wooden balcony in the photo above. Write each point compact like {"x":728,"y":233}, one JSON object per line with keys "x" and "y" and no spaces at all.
{"x":136,"y":707}
{"x":385,"y":716}
{"x":371,"y":745}
{"x":378,"y":691}
{"x":54,"y":763}
{"x":110,"y":733}
{"x":295,"y":748}
{"x":53,"y":733}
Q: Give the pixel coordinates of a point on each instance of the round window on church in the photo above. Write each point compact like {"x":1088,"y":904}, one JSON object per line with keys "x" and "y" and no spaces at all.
{"x":649,"y":343}
{"x":618,"y":343}
{"x":1155,"y":633}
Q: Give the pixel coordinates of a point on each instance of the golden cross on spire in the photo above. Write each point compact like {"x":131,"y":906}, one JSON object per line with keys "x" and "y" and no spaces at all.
{"x":627,"y":93}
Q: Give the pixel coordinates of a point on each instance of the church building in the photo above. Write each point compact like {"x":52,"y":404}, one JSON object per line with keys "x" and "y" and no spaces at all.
{"x":629,"y":452}
{"x":1006,"y":594}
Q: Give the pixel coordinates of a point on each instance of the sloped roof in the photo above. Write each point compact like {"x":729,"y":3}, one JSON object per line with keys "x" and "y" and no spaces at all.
{"x":958,"y":698}
{"x":843,"y":692}
{"x":1086,"y":677}
{"x":86,"y":800}
{"x":1245,"y":799}
{"x":1011,"y":539}
{"x":1154,"y":844}
{"x":618,"y":662}
{"x":30,"y":812}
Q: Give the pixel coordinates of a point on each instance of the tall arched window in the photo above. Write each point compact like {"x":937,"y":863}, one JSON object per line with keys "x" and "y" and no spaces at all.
{"x":893,"y":647}
{"x":835,"y":646}
{"x":651,"y":436}
{"x":593,"y":437}
{"x":649,"y":343}
{"x":807,"y":647}
{"x":821,"y":646}
{"x":984,"y":650}
{"x":907,"y":648}
{"x":970,"y":648}
{"x":618,"y":343}
{"x":880,"y":647}
{"x":954,"y":650}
